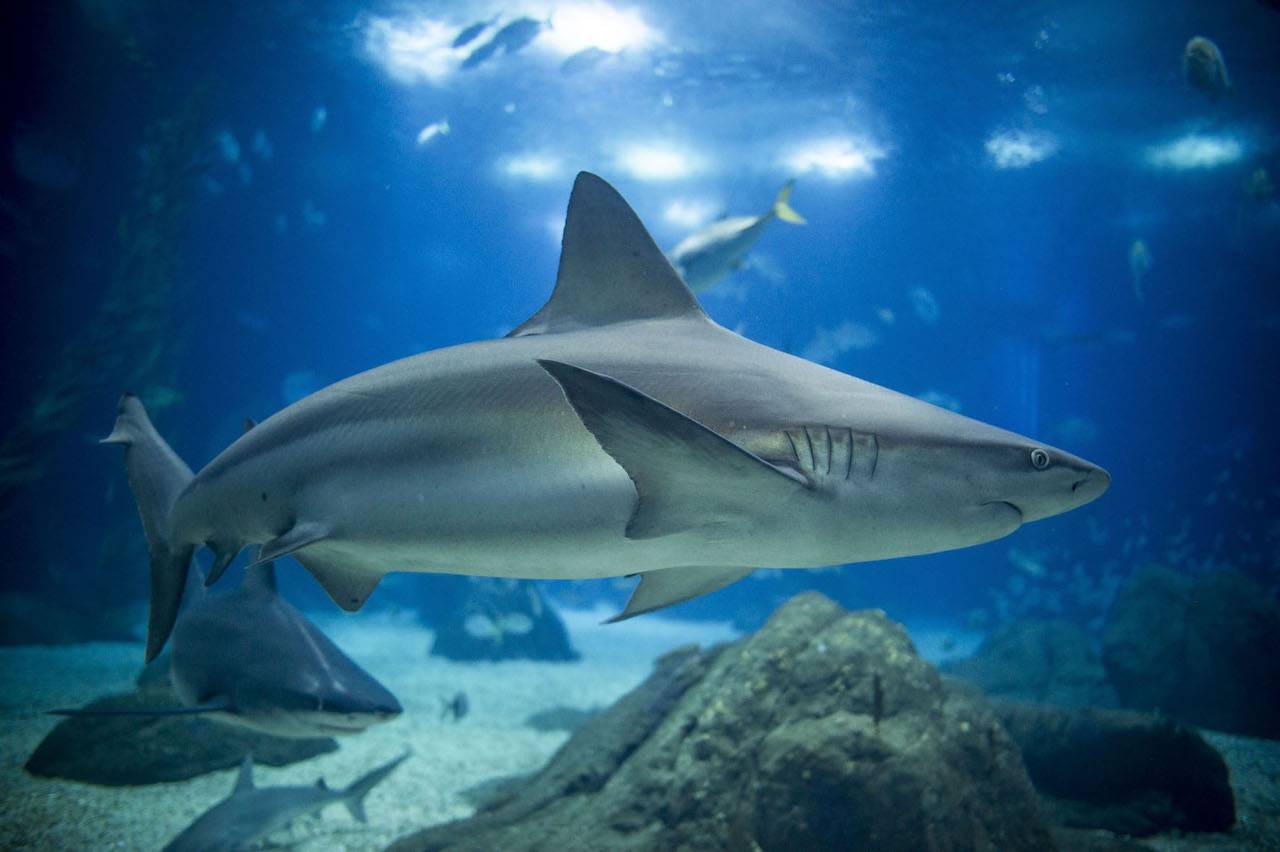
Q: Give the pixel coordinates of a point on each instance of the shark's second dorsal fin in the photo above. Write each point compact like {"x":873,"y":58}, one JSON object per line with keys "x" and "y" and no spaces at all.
{"x":610,"y":268}
{"x":260,"y":578}
{"x":244,"y":780}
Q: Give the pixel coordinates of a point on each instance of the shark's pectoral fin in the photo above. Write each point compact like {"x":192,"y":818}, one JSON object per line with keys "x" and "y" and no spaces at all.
{"x":676,"y":585}
{"x":686,"y":475}
{"x":300,"y":535}
{"x":349,"y":586}
{"x":221,"y":705}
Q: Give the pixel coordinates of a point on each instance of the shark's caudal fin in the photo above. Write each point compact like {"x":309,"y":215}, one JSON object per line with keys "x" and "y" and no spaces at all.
{"x":156,"y":477}
{"x":353,"y":796}
{"x":782,"y":206}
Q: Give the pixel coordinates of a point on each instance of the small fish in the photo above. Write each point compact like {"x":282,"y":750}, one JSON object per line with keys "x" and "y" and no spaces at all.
{"x":1028,"y":563}
{"x":469,"y":34}
{"x":708,"y":255}
{"x":458,"y":706}
{"x":1205,"y":69}
{"x":261,"y":146}
{"x":250,"y":813}
{"x":1139,"y":266}
{"x":512,"y":38}
{"x":432,"y":131}
{"x":584,"y":60}
{"x":228,"y":146}
{"x":925,"y":305}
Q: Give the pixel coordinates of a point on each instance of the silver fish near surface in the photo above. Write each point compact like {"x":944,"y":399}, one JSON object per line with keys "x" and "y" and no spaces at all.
{"x":617,"y":431}
{"x":707,"y":256}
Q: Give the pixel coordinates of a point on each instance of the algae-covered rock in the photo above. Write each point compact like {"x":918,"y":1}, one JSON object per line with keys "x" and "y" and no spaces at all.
{"x":1129,"y":773}
{"x":824,"y":730}
{"x":1041,"y":661}
{"x":131,"y":750}
{"x":482,"y":618}
{"x":1206,"y":650}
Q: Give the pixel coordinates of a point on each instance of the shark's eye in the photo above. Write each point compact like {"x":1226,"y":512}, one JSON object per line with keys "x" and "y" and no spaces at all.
{"x":1039,"y":459}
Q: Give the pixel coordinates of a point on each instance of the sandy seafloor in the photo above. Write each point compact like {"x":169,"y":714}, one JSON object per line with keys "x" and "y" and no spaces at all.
{"x":447,"y":757}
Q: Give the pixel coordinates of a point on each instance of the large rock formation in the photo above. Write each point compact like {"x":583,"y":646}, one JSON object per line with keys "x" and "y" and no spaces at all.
{"x":1038,"y":661}
{"x":824,"y":730}
{"x":1205,"y":650}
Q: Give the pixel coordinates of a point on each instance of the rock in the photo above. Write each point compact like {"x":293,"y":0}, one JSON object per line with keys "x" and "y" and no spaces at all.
{"x":824,"y":730}
{"x":130,"y":750}
{"x":1093,"y":840}
{"x":1129,"y":773}
{"x":561,"y":719}
{"x":1205,"y":650}
{"x":481,"y":618}
{"x":1039,"y":661}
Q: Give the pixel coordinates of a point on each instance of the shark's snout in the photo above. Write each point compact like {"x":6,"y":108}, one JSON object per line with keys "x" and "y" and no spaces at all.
{"x":1048,"y":493}
{"x":1091,"y":486}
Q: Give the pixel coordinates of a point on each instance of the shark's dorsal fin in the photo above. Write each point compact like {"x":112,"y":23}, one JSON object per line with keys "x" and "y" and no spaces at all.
{"x":249,"y":423}
{"x":260,"y":578}
{"x":244,"y":780}
{"x":610,"y":268}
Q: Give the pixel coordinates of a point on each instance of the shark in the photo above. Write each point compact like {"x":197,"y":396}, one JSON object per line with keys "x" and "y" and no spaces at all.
{"x":618,"y":431}
{"x":706,"y":256}
{"x":251,"y":812}
{"x":249,"y":658}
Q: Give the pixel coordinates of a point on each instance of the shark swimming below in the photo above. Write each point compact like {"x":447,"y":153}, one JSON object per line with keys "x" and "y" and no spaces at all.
{"x":250,"y":812}
{"x":617,"y":431}
{"x":708,"y":255}
{"x":249,"y":658}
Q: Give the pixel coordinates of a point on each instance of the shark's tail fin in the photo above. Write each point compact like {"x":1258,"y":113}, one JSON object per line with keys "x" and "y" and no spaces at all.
{"x":156,"y":477}
{"x":782,"y":207}
{"x":353,"y":796}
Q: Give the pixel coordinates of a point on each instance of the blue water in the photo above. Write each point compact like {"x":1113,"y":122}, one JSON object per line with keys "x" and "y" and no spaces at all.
{"x":975,"y":177}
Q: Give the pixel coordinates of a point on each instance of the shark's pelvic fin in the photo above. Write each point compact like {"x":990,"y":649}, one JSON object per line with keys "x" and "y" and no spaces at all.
{"x":782,"y":205}
{"x":658,"y":589}
{"x":610,"y":269}
{"x":686,"y":475}
{"x":300,"y":535}
{"x":223,"y":555}
{"x":156,"y":477}
{"x":349,"y":587}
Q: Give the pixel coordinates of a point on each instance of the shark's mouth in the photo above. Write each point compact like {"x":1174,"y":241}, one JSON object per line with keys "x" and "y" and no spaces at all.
{"x":1012,"y":506}
{"x":1007,"y":515}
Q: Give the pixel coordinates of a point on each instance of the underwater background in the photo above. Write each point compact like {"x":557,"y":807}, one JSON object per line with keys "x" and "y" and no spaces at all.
{"x":1022,"y":211}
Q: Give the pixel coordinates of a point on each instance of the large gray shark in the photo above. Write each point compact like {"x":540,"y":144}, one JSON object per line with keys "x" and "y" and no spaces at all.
{"x":250,"y":813}
{"x":706,"y":256}
{"x":249,"y":658}
{"x":617,"y":431}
